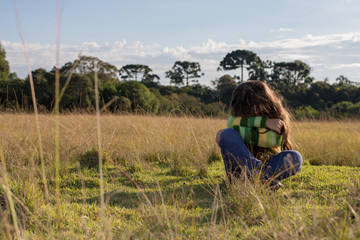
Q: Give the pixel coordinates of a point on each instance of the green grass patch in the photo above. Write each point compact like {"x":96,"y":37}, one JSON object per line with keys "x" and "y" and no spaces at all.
{"x":319,"y":202}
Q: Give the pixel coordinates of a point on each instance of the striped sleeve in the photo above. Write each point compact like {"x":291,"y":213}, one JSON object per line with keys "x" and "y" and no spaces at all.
{"x":230,"y":122}
{"x":247,"y":121}
{"x":244,"y":133}
{"x":269,"y":139}
{"x":265,"y":139}
{"x":254,"y":122}
{"x":253,"y":131}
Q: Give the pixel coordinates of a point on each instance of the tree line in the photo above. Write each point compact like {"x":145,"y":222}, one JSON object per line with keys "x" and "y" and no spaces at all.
{"x":135,"y":88}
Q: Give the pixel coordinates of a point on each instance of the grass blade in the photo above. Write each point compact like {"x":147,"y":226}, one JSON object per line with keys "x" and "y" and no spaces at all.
{"x":36,"y":114}
{"x":98,"y":128}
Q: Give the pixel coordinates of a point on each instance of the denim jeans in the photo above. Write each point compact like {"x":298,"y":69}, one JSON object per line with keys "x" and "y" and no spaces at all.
{"x":238,"y":158}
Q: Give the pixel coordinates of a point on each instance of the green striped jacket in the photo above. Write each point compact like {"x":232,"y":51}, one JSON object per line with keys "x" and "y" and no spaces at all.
{"x":253,"y":131}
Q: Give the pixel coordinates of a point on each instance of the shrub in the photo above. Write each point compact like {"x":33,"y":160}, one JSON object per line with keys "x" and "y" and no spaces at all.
{"x":214,"y":157}
{"x":124,"y":104}
{"x":139,"y":95}
{"x":306,"y":112}
{"x":90,"y":159}
{"x":346,"y":109}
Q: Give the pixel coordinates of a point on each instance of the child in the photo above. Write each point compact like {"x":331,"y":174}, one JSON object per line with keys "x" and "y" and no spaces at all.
{"x":264,"y":143}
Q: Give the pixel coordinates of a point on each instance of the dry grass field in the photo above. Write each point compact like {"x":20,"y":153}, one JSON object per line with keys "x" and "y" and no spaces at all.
{"x":163,"y":178}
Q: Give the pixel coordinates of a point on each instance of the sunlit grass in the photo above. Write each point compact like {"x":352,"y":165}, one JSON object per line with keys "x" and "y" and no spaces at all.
{"x":136,"y":138}
{"x":330,"y":143}
{"x":163,"y":178}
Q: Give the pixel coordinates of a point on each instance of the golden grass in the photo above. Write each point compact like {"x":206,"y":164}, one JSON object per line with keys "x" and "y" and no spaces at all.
{"x":135,"y":138}
{"x":330,"y":143}
{"x":130,"y":138}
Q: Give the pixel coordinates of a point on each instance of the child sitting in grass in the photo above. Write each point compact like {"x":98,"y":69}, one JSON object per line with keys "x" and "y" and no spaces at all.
{"x":257,"y":139}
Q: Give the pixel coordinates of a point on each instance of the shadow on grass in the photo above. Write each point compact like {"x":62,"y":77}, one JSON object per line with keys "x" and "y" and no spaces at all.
{"x":185,"y":196}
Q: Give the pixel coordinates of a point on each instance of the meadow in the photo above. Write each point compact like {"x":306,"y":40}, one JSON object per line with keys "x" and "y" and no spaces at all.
{"x":163,"y":178}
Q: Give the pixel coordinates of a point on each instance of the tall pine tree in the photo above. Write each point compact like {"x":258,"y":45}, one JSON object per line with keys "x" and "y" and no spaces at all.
{"x":4,"y":65}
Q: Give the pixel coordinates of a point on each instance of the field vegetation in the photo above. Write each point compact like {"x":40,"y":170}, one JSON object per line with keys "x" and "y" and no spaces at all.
{"x":163,"y":178}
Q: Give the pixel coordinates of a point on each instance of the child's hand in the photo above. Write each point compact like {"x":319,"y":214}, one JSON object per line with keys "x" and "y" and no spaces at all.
{"x":275,"y":124}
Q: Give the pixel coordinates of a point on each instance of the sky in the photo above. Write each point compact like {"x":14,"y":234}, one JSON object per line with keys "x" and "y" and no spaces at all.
{"x":324,"y":33}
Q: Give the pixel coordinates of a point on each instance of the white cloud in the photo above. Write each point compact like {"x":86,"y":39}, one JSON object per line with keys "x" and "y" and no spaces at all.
{"x":90,"y":45}
{"x":350,"y":65}
{"x":282,"y":30}
{"x":286,"y":29}
{"x":294,"y":56}
{"x":179,"y":53}
{"x":321,"y":52}
{"x":310,"y":41}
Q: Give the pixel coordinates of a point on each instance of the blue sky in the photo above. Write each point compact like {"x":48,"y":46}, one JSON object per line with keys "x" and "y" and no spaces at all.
{"x":324,"y":34}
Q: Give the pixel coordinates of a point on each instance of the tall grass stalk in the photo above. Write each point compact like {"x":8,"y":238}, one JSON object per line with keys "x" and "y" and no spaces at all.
{"x":36,"y":114}
{"x":69,"y":77}
{"x":63,"y":89}
{"x":8,"y":192}
{"x":57,"y":103}
{"x":98,"y":128}
{"x":164,"y":210}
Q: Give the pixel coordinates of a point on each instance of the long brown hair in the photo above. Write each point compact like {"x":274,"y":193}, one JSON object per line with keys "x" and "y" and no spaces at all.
{"x":253,"y":92}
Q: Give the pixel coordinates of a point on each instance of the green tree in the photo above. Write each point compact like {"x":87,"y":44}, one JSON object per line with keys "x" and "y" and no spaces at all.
{"x":344,"y":82}
{"x":239,"y":59}
{"x":13,"y":76}
{"x":188,"y":103}
{"x":204,"y":93}
{"x":138,"y":71}
{"x":321,"y":95}
{"x":257,"y":70}
{"x":79,"y":93}
{"x":287,"y":74}
{"x":132,"y":72}
{"x":184,"y":71}
{"x":150,"y":82}
{"x":12,"y":94}
{"x":109,"y":92}
{"x":224,"y":87}
{"x":44,"y":87}
{"x":85,"y":65}
{"x":166,"y":104}
{"x":4,"y":65}
{"x":139,"y":95}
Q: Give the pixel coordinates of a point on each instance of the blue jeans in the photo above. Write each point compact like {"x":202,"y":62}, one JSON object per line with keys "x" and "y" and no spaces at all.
{"x":237,"y":158}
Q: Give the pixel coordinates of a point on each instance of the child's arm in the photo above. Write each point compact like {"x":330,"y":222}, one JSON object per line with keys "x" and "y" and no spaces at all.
{"x":258,"y":121}
{"x":262,"y":138}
